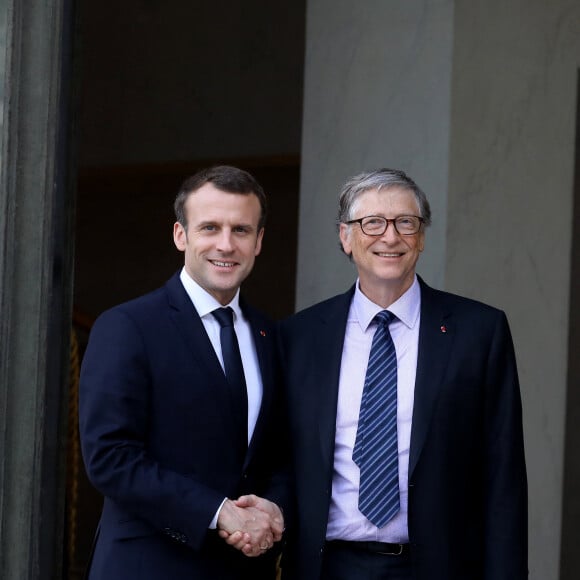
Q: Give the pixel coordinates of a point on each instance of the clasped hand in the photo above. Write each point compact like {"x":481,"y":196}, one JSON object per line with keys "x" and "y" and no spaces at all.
{"x":250,"y":524}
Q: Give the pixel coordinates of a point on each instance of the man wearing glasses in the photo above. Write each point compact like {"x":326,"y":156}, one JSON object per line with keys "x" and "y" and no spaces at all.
{"x":405,"y":414}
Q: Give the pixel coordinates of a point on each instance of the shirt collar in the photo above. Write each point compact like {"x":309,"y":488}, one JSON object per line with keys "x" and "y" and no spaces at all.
{"x":203,"y":301}
{"x":406,"y":308}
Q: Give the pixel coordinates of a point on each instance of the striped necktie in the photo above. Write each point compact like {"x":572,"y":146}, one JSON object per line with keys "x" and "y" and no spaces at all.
{"x":375,"y":449}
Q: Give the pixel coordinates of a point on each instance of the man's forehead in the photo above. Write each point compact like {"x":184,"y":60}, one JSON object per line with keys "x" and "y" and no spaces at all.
{"x":235,"y":209}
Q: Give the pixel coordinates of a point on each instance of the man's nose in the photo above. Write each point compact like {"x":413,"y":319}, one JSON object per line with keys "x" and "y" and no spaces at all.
{"x":390,"y":234}
{"x":225,"y":241}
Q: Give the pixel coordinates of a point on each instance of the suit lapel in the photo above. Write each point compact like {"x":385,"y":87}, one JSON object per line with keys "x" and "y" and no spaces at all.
{"x":189,"y":324}
{"x":327,"y":342}
{"x":436,"y":336}
{"x":265,"y":349}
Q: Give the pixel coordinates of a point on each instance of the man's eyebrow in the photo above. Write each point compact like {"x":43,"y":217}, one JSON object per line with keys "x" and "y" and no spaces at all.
{"x":247,"y":226}
{"x":205,"y":223}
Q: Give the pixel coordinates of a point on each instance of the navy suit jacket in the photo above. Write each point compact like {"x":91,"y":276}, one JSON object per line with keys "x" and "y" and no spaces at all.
{"x":160,"y":440}
{"x":467,"y":477}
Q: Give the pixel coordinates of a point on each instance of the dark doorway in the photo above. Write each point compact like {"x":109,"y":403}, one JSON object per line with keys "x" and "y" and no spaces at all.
{"x":165,"y":90}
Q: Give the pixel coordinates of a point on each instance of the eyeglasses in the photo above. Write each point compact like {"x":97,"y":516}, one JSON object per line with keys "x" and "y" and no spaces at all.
{"x":376,"y":225}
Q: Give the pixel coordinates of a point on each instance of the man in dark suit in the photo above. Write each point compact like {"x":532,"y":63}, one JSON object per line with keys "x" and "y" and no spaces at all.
{"x":183,"y":447}
{"x":405,"y":414}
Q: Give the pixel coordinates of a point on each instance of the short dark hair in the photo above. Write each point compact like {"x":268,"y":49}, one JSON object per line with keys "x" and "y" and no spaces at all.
{"x":225,"y":178}
{"x":379,"y":179}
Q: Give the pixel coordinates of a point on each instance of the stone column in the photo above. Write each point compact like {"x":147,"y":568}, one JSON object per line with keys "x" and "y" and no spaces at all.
{"x":570,"y":560}
{"x":376,"y":94}
{"x":36,"y":244}
{"x":509,"y":236}
{"x":476,"y":99}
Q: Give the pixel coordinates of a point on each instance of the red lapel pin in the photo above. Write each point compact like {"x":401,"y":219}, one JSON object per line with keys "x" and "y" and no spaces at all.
{"x":262,"y":333}
{"x":443,"y":329}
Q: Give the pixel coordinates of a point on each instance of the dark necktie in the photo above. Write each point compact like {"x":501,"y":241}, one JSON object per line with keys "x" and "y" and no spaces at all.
{"x":375,"y":449}
{"x":233,"y":367}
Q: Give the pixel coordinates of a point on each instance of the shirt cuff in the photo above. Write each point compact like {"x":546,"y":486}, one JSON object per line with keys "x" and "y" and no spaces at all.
{"x":213,"y":523}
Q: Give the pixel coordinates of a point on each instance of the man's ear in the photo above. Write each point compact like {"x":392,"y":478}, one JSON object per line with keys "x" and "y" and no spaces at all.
{"x":421,"y":241}
{"x":259,"y":239}
{"x":344,"y":234}
{"x":179,"y":236}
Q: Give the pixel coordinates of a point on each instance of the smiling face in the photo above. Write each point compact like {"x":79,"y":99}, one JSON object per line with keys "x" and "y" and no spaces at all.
{"x":386,"y":264}
{"x":222,"y":239}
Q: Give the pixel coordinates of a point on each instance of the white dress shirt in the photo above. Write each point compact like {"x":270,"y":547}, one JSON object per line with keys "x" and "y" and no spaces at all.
{"x":345,"y":522}
{"x":205,"y":303}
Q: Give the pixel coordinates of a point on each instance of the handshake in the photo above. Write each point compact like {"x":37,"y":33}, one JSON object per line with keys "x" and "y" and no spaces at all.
{"x":250,"y":524}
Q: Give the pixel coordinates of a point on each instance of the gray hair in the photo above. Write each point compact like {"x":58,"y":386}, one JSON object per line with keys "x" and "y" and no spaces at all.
{"x":379,"y":179}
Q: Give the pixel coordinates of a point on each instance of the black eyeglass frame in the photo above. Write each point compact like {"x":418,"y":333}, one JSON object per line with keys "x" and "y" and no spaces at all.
{"x":387,"y":221}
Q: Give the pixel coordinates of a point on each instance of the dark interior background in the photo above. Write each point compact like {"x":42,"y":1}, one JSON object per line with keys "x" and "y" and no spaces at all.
{"x":165,"y":89}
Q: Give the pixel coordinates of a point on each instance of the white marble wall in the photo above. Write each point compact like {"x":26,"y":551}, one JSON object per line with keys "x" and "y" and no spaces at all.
{"x":476,"y":100}
{"x":377,"y":94}
{"x":515,"y":67}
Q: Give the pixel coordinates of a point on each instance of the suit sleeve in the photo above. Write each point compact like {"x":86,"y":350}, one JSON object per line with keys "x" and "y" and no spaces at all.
{"x":506,"y":525}
{"x":114,"y":425}
{"x":279,"y":448}
{"x":273,"y":437}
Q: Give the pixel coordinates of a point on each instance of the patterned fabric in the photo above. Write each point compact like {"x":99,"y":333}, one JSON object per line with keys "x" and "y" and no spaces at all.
{"x":375,"y":449}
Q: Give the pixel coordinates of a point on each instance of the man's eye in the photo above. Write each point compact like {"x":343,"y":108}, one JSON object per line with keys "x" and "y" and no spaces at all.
{"x":208,"y":228}
{"x":241,"y":230}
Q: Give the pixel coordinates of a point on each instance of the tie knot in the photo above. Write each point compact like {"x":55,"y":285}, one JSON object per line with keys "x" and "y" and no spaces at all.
{"x":225,"y":316}
{"x":384,"y":317}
